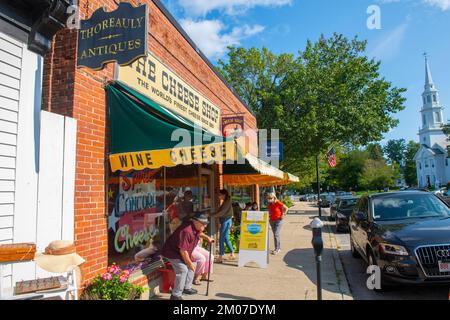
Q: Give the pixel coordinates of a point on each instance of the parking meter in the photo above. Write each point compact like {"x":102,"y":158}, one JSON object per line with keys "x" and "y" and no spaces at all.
{"x":317,"y":243}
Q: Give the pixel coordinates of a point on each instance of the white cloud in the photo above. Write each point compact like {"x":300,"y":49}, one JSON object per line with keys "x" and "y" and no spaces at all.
{"x":210,"y":37}
{"x":231,"y":7}
{"x":442,"y":4}
{"x":390,"y":46}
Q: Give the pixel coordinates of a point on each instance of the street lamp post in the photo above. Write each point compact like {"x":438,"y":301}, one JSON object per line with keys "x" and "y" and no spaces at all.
{"x":317,"y":243}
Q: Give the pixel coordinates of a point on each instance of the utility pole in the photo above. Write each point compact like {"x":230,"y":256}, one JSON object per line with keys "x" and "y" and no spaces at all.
{"x":318,"y":187}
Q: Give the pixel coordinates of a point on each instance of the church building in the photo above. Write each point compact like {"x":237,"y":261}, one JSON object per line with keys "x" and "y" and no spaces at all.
{"x":432,"y":162}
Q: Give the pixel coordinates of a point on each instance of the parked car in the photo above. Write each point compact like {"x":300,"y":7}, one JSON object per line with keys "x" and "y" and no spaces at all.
{"x":406,"y":234}
{"x":343,"y":211}
{"x":324,"y":201}
{"x":443,"y":194}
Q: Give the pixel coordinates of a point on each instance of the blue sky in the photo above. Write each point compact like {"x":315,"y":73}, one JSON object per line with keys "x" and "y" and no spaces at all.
{"x":408,"y":29}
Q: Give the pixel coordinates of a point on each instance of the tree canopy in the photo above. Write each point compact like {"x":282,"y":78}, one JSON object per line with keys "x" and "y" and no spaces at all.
{"x":331,"y":93}
{"x":395,"y":150}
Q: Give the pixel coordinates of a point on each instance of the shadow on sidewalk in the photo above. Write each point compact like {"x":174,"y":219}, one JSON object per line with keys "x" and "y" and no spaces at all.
{"x":304,"y":261}
{"x":232,"y":297}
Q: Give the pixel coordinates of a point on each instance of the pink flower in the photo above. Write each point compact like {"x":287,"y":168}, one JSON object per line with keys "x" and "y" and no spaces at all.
{"x":107,"y":276}
{"x":122,"y":279}
{"x":125,"y":273}
{"x":114,"y":269}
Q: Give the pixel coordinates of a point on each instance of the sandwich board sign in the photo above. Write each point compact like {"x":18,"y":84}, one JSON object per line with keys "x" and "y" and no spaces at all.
{"x":254,"y":242}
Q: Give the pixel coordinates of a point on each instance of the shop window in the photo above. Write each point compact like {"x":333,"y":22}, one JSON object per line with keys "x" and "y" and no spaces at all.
{"x":137,"y":224}
{"x":241,"y":195}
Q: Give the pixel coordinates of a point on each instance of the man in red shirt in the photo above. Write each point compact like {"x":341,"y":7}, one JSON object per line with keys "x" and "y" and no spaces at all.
{"x":178,"y":249}
{"x":277,"y":210}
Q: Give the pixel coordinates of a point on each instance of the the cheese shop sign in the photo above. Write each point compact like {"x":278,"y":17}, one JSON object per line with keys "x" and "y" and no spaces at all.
{"x":120,"y":35}
{"x":155,"y":80}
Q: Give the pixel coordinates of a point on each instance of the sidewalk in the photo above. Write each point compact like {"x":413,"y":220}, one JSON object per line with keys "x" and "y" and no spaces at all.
{"x":291,"y":275}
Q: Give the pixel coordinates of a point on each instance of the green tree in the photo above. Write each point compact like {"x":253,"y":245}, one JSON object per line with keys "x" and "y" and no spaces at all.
{"x":378,"y":175}
{"x":375,"y":151}
{"x":395,"y":150}
{"x":409,"y":171}
{"x":331,"y":94}
{"x":446,"y":129}
{"x":348,"y":170}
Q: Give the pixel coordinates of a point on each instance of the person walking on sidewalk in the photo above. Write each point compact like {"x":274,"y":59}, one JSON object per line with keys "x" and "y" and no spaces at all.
{"x":277,"y":210}
{"x":178,"y":249}
{"x":225,"y":215}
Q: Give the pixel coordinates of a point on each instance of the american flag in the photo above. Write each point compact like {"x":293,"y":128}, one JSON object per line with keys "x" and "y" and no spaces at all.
{"x":331,"y":157}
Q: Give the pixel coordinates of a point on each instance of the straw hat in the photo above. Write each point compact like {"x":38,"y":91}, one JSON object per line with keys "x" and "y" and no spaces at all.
{"x":59,"y":256}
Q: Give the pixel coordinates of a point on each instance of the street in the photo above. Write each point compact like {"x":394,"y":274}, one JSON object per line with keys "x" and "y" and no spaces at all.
{"x":355,"y":271}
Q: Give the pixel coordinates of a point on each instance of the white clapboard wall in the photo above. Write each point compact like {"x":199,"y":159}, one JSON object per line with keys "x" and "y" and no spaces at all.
{"x":37,"y":160}
{"x":11,"y":58}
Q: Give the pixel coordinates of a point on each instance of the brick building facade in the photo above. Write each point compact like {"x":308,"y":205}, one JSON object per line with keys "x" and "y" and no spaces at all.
{"x":79,"y":93}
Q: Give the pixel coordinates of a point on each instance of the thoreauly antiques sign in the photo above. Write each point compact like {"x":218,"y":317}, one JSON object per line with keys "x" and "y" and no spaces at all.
{"x":153,"y":79}
{"x":120,"y":35}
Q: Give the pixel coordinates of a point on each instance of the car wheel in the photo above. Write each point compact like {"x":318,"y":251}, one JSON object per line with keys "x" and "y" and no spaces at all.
{"x":355,"y":252}
{"x":372,"y":261}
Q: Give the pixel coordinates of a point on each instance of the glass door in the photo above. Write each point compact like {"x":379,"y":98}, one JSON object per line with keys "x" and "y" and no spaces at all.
{"x":207,"y":199}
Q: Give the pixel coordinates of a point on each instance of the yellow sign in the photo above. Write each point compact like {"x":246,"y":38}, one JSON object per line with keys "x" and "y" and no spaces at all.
{"x":152,"y":159}
{"x":153,"y":79}
{"x":254,"y":231}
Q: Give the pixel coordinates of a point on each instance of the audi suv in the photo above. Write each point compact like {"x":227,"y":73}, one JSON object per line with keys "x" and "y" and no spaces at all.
{"x":406,"y":234}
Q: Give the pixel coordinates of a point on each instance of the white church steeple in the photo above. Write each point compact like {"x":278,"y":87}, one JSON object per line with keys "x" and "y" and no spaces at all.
{"x":432,"y":112}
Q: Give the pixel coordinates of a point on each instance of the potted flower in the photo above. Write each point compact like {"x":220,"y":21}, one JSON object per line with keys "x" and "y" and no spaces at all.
{"x":112,"y":285}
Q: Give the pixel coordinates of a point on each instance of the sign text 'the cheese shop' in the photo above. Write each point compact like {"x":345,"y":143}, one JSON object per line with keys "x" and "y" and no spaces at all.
{"x":153,"y":79}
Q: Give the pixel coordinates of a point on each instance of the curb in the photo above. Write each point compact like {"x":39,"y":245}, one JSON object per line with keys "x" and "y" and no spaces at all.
{"x":344,"y":287}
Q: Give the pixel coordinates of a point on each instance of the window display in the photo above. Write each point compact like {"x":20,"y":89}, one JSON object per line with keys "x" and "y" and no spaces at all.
{"x":144,"y":208}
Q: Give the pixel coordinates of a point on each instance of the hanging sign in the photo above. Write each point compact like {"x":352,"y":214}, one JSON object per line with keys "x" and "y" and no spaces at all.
{"x":120,"y":35}
{"x":155,"y":80}
{"x":232,"y":126}
{"x":253,"y":245}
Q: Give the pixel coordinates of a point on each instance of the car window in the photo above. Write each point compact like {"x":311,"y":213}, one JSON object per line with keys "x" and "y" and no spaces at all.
{"x":347,"y":203}
{"x":408,"y":206}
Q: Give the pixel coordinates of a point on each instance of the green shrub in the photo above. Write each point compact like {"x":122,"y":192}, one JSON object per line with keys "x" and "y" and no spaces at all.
{"x":288,"y":202}
{"x":235,"y":234}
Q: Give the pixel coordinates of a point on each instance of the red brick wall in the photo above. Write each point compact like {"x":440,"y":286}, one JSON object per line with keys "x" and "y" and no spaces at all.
{"x":79,"y":93}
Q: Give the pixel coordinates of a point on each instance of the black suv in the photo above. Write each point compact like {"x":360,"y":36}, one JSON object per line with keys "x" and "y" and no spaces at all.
{"x":407,"y":234}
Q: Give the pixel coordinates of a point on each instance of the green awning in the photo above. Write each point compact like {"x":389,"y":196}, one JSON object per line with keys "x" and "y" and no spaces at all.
{"x":144,"y":134}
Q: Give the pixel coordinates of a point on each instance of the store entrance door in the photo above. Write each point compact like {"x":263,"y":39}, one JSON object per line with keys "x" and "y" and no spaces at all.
{"x":207,"y":199}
